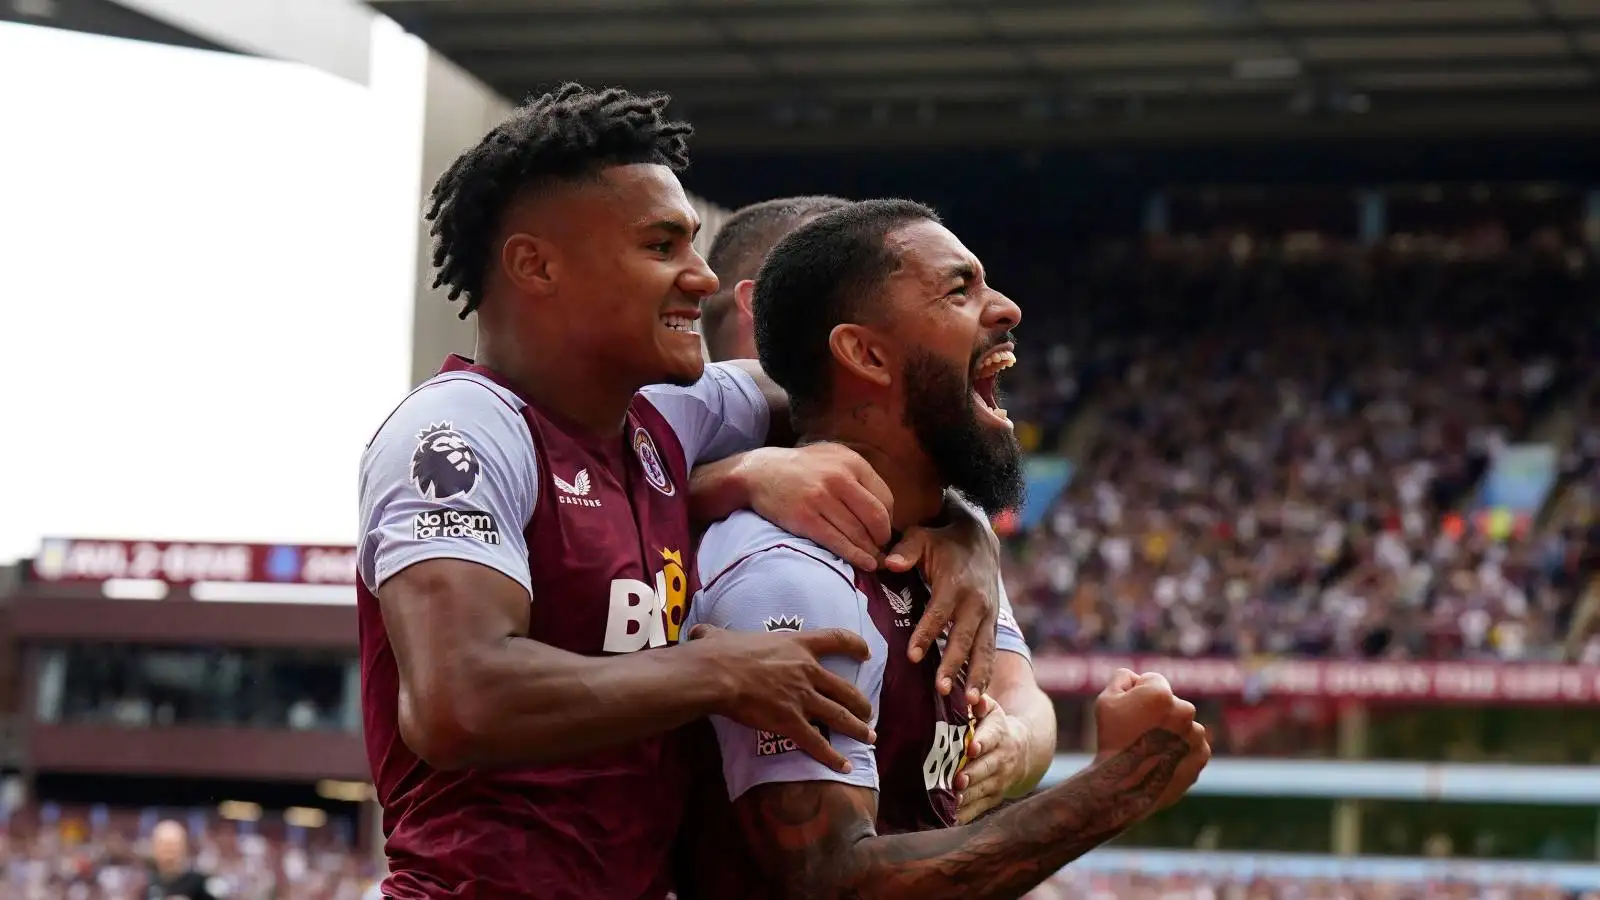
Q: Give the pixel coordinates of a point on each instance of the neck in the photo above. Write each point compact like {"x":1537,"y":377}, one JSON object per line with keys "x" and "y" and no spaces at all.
{"x":573,"y":385}
{"x":893,"y":453}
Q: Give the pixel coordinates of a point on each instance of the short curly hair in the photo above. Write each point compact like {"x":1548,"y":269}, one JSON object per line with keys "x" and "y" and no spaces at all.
{"x":571,"y":133}
{"x":823,"y":274}
{"x":741,"y":244}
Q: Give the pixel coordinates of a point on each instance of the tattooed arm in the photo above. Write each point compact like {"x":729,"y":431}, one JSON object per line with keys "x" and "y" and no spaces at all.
{"x":816,"y":840}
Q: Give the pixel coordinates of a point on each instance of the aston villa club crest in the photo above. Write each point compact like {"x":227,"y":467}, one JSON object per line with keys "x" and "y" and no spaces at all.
{"x":650,"y":461}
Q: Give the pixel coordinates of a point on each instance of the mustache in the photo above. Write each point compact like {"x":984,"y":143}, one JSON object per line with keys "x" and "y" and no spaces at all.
{"x":1008,"y":337}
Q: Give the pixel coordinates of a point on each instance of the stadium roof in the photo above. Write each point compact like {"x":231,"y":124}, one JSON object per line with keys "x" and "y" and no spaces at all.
{"x":810,"y":73}
{"x":102,"y":17}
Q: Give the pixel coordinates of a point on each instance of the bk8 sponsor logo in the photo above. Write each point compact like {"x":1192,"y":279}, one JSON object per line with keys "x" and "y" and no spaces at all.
{"x":640,"y":615}
{"x":945,"y":757}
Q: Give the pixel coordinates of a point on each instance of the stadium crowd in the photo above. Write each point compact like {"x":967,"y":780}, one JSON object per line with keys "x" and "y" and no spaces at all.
{"x":71,"y":859}
{"x":66,"y":863}
{"x":1277,"y":443}
{"x":1078,"y":885}
{"x":1280,"y":444}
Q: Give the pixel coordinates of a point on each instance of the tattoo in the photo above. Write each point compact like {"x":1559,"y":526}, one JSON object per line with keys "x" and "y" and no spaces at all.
{"x":817,"y":840}
{"x":860,"y":411}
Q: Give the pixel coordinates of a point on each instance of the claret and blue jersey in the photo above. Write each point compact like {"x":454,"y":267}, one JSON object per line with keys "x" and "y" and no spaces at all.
{"x":759,"y":577}
{"x":597,"y":531}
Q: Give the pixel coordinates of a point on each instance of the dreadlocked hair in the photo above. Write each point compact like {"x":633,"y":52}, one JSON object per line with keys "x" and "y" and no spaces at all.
{"x":570,"y":133}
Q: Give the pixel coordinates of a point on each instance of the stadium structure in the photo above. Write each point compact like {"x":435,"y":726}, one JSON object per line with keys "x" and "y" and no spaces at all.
{"x":1309,"y":386}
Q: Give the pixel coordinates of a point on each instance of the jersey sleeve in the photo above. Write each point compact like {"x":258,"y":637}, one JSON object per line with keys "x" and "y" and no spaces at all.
{"x":451,"y":475}
{"x":1008,"y":635}
{"x":721,"y":414}
{"x":783,"y":589}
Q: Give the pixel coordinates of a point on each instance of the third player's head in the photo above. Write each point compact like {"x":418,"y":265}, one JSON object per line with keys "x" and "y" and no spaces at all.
{"x":567,"y":231}
{"x":742,"y":243}
{"x":882,"y":327}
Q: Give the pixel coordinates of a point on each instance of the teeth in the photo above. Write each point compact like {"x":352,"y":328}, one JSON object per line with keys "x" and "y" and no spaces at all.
{"x":678,"y":323}
{"x":995,"y":363}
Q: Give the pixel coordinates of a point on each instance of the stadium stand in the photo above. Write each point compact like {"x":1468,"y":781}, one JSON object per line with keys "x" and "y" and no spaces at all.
{"x":82,"y":854}
{"x":1337,"y":474}
{"x":1282,"y":449}
{"x":1281,"y":459}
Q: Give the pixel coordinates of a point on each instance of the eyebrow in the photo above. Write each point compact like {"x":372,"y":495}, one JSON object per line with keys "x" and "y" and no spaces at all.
{"x":675,"y":227}
{"x":964,"y":271}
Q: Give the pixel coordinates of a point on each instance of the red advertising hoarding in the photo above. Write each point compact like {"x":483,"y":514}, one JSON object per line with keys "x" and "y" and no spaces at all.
{"x":1443,"y":682}
{"x":188,"y":562}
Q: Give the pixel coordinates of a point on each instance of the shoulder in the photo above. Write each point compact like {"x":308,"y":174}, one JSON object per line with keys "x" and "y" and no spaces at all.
{"x":762,"y":576}
{"x":464,"y":399}
{"x":745,"y":535}
{"x":447,"y":429}
{"x":719,"y":380}
{"x":723,"y":413}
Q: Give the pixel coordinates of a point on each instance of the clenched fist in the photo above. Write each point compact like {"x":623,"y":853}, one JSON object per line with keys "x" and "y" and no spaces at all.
{"x":1139,"y":715}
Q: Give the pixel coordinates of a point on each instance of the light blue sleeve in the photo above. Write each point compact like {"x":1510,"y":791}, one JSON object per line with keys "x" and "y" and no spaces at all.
{"x":1008,"y":636}
{"x":721,"y":414}
{"x":450,"y":475}
{"x":785,"y":589}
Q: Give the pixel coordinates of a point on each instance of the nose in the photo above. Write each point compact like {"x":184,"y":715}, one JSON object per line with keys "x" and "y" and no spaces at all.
{"x":697,"y":280}
{"x":1001,"y":314}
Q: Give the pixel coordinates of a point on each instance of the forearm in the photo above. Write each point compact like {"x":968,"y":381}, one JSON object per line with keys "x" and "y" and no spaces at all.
{"x":817,"y":843}
{"x":526,"y":703}
{"x":1014,"y":688}
{"x":1011,"y":851}
{"x":717,"y":490}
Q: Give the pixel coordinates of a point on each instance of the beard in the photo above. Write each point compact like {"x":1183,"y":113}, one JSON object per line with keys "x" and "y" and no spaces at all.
{"x":981,"y":462}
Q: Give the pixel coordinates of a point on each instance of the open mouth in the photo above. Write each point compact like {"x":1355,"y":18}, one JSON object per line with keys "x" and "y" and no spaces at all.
{"x":679,"y":321}
{"x":986,"y":377}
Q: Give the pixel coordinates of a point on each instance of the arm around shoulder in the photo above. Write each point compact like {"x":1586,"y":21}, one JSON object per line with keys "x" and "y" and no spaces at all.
{"x":448,"y":487}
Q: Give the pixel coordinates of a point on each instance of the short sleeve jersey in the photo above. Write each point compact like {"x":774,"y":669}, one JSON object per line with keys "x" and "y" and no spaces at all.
{"x":761,"y":578}
{"x":596,"y":530}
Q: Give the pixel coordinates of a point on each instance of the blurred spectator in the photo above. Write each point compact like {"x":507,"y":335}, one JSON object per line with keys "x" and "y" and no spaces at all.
{"x":170,"y":874}
{"x":1075,"y":884}
{"x":71,"y":861}
{"x":1280,"y":442}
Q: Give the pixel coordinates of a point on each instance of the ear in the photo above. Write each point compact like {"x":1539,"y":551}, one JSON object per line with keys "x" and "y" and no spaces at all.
{"x":862,"y":353}
{"x":529,"y":263}
{"x":744,"y":296}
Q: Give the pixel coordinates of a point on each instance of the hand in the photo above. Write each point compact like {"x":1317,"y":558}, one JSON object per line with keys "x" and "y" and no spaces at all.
{"x":823,"y":492}
{"x":1139,"y":710}
{"x":961,"y":563}
{"x":775,"y":683}
{"x":997,"y":759}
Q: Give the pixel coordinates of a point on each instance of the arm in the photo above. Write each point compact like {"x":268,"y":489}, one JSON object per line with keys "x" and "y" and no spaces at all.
{"x":1029,"y":715}
{"x":824,"y":492}
{"x":724,"y":412}
{"x":1032,"y":715}
{"x":733,"y":408}
{"x":960,"y":559}
{"x":475,"y":691}
{"x":446,"y":489}
{"x":787,"y":587}
{"x":817,"y":839}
